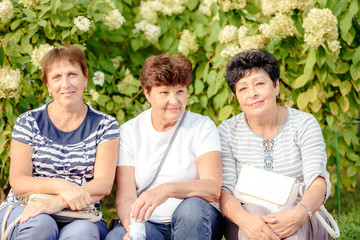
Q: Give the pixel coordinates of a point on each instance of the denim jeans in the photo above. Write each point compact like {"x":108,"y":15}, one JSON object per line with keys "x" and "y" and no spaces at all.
{"x":193,"y":219}
{"x":44,"y":227}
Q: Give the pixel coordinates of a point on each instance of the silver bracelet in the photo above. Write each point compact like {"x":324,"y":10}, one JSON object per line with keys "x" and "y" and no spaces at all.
{"x":307,"y":208}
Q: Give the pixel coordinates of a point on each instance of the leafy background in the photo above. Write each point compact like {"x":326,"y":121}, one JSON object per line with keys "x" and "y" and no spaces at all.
{"x":312,"y":79}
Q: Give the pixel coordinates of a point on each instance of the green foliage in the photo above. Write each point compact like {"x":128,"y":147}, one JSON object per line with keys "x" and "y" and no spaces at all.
{"x":312,"y":79}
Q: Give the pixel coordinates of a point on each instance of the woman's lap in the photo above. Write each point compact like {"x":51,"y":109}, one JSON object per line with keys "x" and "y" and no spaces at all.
{"x":311,"y":230}
{"x":194,"y":218}
{"x":44,"y":227}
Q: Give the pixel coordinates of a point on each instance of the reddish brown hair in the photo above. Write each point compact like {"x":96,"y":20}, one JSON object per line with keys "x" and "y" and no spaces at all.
{"x":165,"y":71}
{"x":69,"y":53}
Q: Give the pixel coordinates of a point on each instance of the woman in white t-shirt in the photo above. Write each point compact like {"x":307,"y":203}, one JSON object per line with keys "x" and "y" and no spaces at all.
{"x":181,"y":203}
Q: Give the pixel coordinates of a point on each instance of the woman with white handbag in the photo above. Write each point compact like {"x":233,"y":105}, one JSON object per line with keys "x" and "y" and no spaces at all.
{"x":260,"y":146}
{"x":65,"y":149}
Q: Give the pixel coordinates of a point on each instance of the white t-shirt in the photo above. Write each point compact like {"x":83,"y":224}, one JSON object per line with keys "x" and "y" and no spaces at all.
{"x":143,"y":147}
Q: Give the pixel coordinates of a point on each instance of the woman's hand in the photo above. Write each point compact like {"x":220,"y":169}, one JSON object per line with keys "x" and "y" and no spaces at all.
{"x":127,"y":236}
{"x":148,"y":201}
{"x":47,"y":206}
{"x":74,"y":195}
{"x":288,"y":221}
{"x":255,"y":227}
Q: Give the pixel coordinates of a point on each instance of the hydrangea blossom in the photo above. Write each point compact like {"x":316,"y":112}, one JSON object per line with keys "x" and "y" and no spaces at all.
{"x":9,"y":82}
{"x":116,"y":61}
{"x":148,"y":11}
{"x":38,"y":53}
{"x":279,"y":27}
{"x":99,"y":78}
{"x":228,"y":34}
{"x":228,"y":5}
{"x":29,"y":3}
{"x":270,"y":7}
{"x":94,"y":94}
{"x":187,"y":43}
{"x":114,"y":19}
{"x":170,"y":7}
{"x":320,"y":25}
{"x":230,"y":51}
{"x":6,"y":10}
{"x":151,"y":32}
{"x":204,"y":7}
{"x":82,"y":23}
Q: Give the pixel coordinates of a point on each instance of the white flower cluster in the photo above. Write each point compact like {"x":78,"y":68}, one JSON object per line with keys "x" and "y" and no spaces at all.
{"x":237,"y":40}
{"x":228,"y":5}
{"x":114,"y":19}
{"x":187,"y":43}
{"x":94,"y":94}
{"x":83,"y":23}
{"x":9,"y":82}
{"x":38,"y":53}
{"x":204,"y":7}
{"x":270,"y":7}
{"x":29,"y":3}
{"x":228,"y":34}
{"x":99,"y":78}
{"x":151,"y":32}
{"x":6,"y":10}
{"x":279,"y":27}
{"x":116,"y":61}
{"x":320,"y":25}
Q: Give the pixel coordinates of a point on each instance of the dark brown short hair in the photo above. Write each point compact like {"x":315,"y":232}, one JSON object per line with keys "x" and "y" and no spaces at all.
{"x":165,"y":71}
{"x":68,"y":53}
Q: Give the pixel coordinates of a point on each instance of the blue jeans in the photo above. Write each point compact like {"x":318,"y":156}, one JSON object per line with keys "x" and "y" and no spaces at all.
{"x":44,"y":227}
{"x":194,"y":218}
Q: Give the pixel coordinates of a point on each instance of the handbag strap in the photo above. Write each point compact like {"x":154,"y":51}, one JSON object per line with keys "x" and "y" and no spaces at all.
{"x":165,"y":155}
{"x":5,"y":232}
{"x":332,"y":229}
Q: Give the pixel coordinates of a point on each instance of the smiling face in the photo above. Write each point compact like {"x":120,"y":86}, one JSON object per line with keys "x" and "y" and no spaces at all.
{"x":168,"y":104}
{"x":66,"y":82}
{"x":256,"y":93}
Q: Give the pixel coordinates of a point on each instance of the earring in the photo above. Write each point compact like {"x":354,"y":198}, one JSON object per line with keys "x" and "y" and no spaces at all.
{"x":49,"y":94}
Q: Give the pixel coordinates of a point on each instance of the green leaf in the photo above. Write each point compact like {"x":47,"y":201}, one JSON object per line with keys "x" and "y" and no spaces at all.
{"x":66,"y":6}
{"x":102,"y":100}
{"x":136,"y":44}
{"x":199,"y":86}
{"x":191,"y":5}
{"x":316,"y":105}
{"x":210,"y":77}
{"x":345,"y":87}
{"x":29,"y":13}
{"x":337,"y":8}
{"x":344,"y":103}
{"x":312,"y":94}
{"x":334,"y":108}
{"x":65,"y":33}
{"x":341,"y":67}
{"x":252,"y":9}
{"x":351,"y":171}
{"x":220,"y":99}
{"x":355,"y":71}
{"x":356,"y":56}
{"x":225,"y":112}
{"x":109,"y":106}
{"x":300,"y":81}
{"x":55,"y":4}
{"x":310,"y":62}
{"x":353,"y":156}
{"x":320,"y":56}
{"x":302,"y":101}
{"x":330,"y":62}
{"x":49,"y":31}
{"x":15,"y":24}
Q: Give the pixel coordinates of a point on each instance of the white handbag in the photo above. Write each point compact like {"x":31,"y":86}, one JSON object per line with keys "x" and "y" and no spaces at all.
{"x":274,"y":192}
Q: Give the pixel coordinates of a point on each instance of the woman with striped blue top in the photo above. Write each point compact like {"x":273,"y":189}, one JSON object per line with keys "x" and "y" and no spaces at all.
{"x":275,"y":138}
{"x":64,"y":148}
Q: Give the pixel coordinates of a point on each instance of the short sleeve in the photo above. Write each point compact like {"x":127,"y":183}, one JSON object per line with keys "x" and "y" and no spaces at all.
{"x":108,"y":129}
{"x":208,"y":138}
{"x":126,"y":158}
{"x":24,"y":129}
{"x":312,"y":147}
{"x":227,"y":158}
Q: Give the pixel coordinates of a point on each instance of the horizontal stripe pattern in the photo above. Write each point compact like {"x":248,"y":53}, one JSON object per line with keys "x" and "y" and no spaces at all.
{"x":298,"y":149}
{"x":66,"y":155}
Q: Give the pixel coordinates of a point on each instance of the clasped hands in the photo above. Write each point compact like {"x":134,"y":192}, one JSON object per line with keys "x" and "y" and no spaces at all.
{"x":69,"y":195}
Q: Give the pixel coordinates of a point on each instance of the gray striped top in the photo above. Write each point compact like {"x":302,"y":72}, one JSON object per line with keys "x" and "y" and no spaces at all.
{"x":58,"y":154}
{"x":297,"y":150}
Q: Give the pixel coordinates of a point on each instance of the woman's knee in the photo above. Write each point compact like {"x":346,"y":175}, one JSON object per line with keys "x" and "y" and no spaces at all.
{"x":118,"y":232}
{"x":80,"y":229}
{"x":191,"y":210}
{"x":42,"y":226}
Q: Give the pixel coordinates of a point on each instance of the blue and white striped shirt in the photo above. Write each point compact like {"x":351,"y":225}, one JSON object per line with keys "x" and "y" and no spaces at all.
{"x":59,"y":154}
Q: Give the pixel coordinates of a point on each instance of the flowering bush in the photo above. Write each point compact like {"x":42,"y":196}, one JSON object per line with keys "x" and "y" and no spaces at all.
{"x":314,"y":42}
